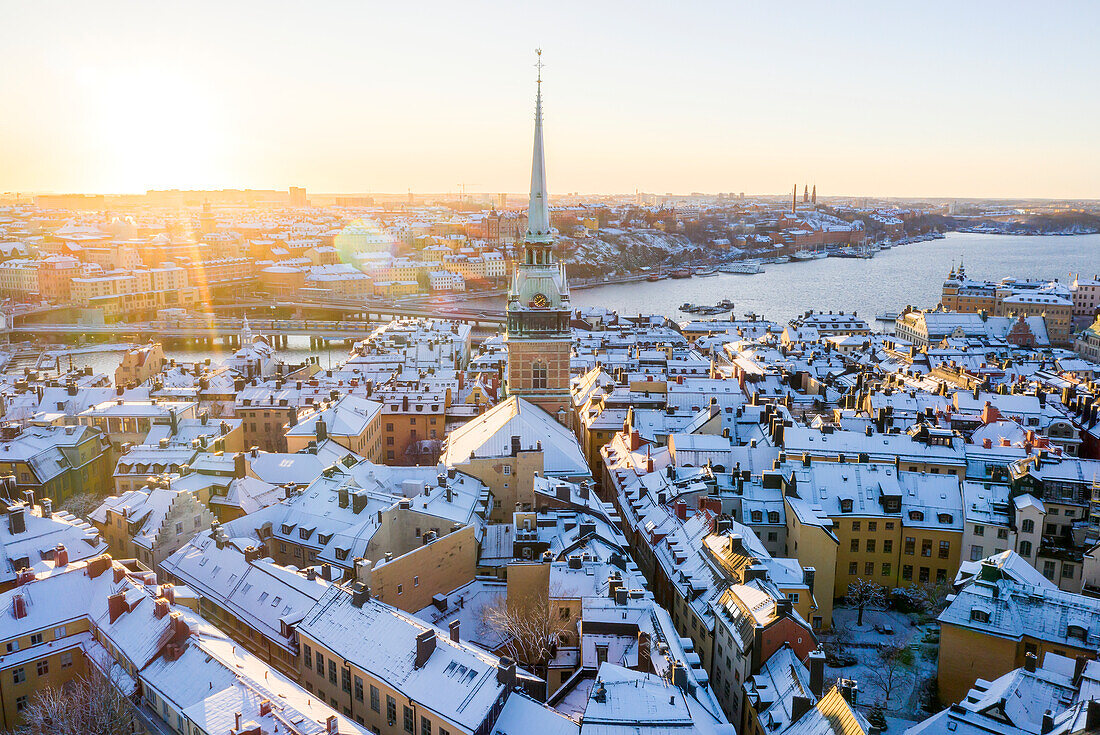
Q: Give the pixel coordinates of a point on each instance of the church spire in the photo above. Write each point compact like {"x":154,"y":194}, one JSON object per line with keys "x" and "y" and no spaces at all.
{"x":538,"y":211}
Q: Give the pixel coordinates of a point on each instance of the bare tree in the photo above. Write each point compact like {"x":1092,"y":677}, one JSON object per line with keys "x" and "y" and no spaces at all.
{"x":531,"y":626}
{"x":894,"y":659}
{"x":836,"y":645}
{"x":863,"y":593}
{"x":81,"y":505}
{"x":87,"y":705}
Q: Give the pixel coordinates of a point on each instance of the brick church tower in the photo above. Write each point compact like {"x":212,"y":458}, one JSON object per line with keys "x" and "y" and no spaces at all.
{"x":538,"y":336}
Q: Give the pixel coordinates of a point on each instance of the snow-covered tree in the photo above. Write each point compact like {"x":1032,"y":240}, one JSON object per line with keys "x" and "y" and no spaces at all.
{"x":87,"y":705}
{"x":863,"y":593}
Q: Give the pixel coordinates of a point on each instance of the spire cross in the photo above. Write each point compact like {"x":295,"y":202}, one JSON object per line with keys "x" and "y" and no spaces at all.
{"x":539,"y":64}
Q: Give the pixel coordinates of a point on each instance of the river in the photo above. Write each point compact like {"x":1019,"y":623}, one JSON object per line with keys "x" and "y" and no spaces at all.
{"x":907,"y":274}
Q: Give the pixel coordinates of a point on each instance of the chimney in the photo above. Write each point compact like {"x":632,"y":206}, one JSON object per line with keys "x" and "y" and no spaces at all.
{"x":360,"y":594}
{"x":621,"y":595}
{"x":19,"y":606}
{"x":425,"y":644}
{"x":238,"y":465}
{"x":515,"y":445}
{"x":47,"y":508}
{"x":332,"y":726}
{"x":455,"y":624}
{"x":60,"y":556}
{"x":116,"y":605}
{"x":17,"y":522}
{"x":98,"y":566}
{"x":161,"y":608}
{"x":322,"y":430}
{"x":817,"y":672}
{"x":1048,"y":722}
{"x":506,"y":672}
{"x":1029,"y":662}
{"x":799,"y":706}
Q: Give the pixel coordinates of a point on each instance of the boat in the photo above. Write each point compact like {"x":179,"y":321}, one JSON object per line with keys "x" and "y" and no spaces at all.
{"x":780,"y":259}
{"x":802,"y":255}
{"x":888,"y":316}
{"x":705,"y":273}
{"x":681,"y":273}
{"x":747,"y":267}
{"x":725,"y":304}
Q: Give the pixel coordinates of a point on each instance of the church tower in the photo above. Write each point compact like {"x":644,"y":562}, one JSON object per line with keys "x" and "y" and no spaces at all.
{"x":537,"y":334}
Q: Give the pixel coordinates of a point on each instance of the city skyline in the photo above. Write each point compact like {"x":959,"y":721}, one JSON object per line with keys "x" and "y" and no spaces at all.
{"x":936,"y":101}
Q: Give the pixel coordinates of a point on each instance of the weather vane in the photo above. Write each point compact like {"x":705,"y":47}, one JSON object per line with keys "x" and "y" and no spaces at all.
{"x":538,"y":64}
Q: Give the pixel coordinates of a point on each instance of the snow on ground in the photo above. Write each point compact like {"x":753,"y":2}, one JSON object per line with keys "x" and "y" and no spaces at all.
{"x":871,"y":674}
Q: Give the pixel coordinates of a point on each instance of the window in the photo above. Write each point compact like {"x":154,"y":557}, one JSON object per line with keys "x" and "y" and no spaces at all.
{"x":320,"y":664}
{"x":43,"y":667}
{"x":374,"y":699}
{"x":887,"y":546}
{"x":179,"y":528}
{"x":1052,"y":529}
{"x":979,"y":616}
{"x":18,"y":676}
{"x":1048,"y":569}
{"x":309,"y":656}
{"x":391,"y":709}
{"x":889,"y":525}
{"x":793,"y":597}
{"x":1025,"y":548}
{"x":872,"y":525}
{"x":975,"y":553}
{"x":601,"y":653}
{"x":331,"y":671}
{"x":857,"y":525}
{"x":926,"y":547}
{"x":941,"y":575}
{"x":507,"y":469}
{"x":425,"y":726}
{"x":358,"y":689}
{"x":563,"y":613}
{"x":20,"y":703}
{"x":538,"y":380}
{"x":869,"y":568}
{"x":1067,"y":571}
{"x":846,"y":505}
{"x":1028,"y":526}
{"x":855,"y":545}
{"x":853,"y":568}
{"x":345,"y":680}
{"x":910,"y":545}
{"x":922,"y":575}
{"x":979,"y":530}
{"x":945,"y":549}
{"x":416,"y":581}
{"x":870,"y":546}
{"x":36,"y":638}
{"x":59,"y":632}
{"x":409,"y":724}
{"x":907,"y":572}
{"x":886,"y":569}
{"x":67,"y":660}
{"x":1002,"y":533}
{"x":399,"y":588}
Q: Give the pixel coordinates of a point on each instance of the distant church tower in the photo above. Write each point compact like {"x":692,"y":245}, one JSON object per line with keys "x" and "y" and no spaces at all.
{"x":538,"y":336}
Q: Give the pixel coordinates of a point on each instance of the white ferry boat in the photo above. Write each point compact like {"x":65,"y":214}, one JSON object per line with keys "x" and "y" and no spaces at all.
{"x":747,"y":267}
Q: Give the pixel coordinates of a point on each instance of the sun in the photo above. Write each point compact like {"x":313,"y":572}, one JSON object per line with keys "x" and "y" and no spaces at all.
{"x":153,"y":130}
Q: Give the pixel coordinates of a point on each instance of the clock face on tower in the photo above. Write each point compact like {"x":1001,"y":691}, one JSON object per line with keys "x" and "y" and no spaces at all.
{"x":539,"y":301}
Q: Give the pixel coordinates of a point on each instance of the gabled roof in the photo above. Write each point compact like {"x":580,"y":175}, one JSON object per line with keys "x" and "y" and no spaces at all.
{"x":490,"y":435}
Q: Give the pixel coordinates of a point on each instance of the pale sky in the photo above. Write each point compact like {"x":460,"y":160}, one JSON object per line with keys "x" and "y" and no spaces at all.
{"x":878,"y":98}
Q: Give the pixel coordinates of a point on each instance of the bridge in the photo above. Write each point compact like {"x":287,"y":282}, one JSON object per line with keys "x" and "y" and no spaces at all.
{"x":226,"y":330}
